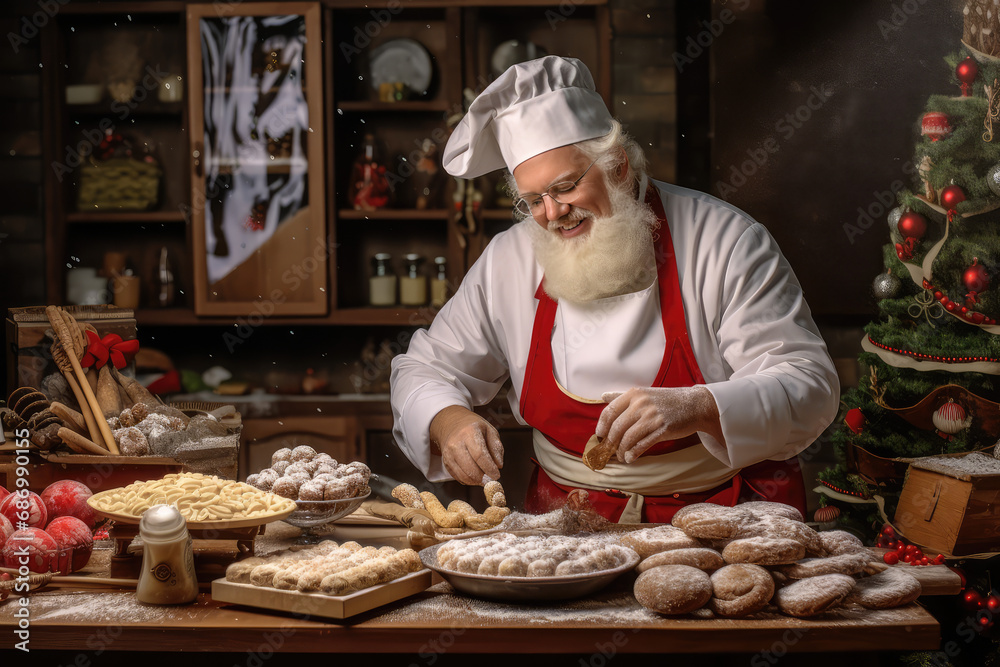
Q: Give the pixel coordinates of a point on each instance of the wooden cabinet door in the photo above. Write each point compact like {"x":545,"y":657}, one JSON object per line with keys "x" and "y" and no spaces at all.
{"x":340,"y":437}
{"x":256,"y":136}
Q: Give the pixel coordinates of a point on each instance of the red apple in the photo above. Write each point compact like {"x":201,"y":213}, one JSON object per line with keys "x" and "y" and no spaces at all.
{"x":24,"y":508}
{"x":71,"y":534}
{"x":30,"y":547}
{"x":6,"y":529}
{"x":3,"y":493}
{"x":67,"y":497}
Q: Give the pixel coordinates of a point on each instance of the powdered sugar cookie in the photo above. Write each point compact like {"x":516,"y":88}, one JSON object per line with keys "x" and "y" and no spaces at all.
{"x":775,"y":526}
{"x":763,"y":551}
{"x":849,"y":563}
{"x":808,"y":597}
{"x":649,"y":541}
{"x":709,"y":521}
{"x":673,"y":589}
{"x":766,"y":507}
{"x":740,"y":590}
{"x":706,"y":560}
{"x":836,"y":542}
{"x":891,"y":588}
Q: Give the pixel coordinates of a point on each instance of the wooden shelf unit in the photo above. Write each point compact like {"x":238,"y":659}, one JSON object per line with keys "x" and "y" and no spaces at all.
{"x":459,"y":35}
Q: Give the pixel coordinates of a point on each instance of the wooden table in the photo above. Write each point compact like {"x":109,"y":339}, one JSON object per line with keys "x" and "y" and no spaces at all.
{"x":439,"y":621}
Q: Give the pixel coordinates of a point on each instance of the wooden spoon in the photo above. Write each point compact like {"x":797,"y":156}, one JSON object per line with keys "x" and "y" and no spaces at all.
{"x":68,"y":332}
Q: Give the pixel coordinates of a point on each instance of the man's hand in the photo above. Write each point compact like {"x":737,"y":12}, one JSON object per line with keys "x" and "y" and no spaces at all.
{"x":469,"y":445}
{"x":643,"y":416}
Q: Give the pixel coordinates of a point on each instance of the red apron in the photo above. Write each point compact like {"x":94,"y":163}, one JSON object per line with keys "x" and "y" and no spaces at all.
{"x":568,"y":423}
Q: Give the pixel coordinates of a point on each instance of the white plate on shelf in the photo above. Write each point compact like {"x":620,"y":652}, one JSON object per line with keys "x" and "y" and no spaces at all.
{"x":401,"y":61}
{"x":512,"y":52}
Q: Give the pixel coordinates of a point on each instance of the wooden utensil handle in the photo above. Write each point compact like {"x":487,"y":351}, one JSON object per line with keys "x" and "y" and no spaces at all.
{"x":88,"y":415}
{"x":102,"y":424}
{"x":80,"y":444}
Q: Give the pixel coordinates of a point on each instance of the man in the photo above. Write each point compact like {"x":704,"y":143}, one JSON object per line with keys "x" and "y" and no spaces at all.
{"x":659,"y":318}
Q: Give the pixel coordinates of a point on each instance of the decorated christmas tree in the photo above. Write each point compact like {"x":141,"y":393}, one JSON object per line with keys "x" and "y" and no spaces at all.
{"x":931,"y":360}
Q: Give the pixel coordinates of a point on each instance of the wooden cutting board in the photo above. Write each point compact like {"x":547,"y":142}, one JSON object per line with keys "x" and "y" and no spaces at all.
{"x":317,"y":604}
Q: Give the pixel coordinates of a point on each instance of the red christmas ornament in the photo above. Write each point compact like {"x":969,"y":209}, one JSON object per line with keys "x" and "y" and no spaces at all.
{"x":966,"y":72}
{"x":972,"y":599}
{"x":935,"y":125}
{"x":976,"y":280}
{"x":993,"y":603}
{"x":912,"y":226}
{"x":952,"y":196}
{"x":855,"y":420}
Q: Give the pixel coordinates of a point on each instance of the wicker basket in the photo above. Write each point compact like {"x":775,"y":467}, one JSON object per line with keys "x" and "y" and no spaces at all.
{"x":119,"y":184}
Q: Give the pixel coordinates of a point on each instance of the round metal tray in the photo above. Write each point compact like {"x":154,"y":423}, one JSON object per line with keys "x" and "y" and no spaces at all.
{"x":525,"y":589}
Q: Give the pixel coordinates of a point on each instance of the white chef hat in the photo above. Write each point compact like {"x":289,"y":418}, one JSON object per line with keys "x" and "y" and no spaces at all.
{"x":531,"y":108}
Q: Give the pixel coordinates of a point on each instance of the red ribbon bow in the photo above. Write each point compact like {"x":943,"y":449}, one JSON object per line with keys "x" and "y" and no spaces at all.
{"x":99,"y":350}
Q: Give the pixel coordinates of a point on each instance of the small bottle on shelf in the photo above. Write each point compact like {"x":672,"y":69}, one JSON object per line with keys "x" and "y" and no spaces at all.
{"x":368,"y":189}
{"x":439,"y":284}
{"x":382,"y":284}
{"x":413,"y":285}
{"x":165,"y":292}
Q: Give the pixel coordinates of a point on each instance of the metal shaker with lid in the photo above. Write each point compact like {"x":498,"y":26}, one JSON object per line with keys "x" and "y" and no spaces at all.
{"x":167,"y":575}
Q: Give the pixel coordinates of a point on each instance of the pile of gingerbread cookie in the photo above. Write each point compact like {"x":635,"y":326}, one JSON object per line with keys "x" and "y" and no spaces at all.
{"x":759,"y":556}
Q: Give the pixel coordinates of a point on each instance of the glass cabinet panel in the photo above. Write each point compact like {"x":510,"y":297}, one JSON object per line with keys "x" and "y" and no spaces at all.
{"x":259,"y":225}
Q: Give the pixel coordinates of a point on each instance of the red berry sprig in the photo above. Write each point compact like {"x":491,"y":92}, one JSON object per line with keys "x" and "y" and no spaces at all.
{"x":900,"y":551}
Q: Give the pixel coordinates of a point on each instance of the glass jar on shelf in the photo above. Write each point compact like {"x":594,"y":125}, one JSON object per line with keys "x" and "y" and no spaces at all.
{"x":439,"y":283}
{"x":413,"y":285}
{"x":382,"y":284}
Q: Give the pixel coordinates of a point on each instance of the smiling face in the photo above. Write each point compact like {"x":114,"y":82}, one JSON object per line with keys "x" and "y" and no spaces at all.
{"x":590,"y":198}
{"x":599,"y":244}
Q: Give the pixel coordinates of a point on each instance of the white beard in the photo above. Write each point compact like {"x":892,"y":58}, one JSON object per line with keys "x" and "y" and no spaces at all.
{"x":615,"y":257}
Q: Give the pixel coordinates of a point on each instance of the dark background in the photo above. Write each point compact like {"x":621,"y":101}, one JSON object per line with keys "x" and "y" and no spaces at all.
{"x":879,"y":64}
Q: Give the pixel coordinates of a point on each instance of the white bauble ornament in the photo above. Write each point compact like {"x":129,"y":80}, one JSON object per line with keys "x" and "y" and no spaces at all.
{"x":950,"y":418}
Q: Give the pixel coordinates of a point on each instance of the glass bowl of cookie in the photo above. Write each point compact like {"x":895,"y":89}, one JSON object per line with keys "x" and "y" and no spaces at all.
{"x":312,"y":515}
{"x":323,"y":489}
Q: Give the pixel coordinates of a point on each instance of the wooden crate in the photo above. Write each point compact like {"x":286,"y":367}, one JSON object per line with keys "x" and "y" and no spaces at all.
{"x":949,"y":510}
{"x":99,"y":473}
{"x":29,"y":358}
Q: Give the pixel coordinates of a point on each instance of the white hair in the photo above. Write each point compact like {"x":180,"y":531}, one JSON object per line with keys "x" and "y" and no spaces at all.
{"x":609,"y":151}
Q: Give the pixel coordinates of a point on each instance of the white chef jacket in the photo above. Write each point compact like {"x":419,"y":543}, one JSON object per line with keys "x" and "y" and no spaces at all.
{"x":751,"y":331}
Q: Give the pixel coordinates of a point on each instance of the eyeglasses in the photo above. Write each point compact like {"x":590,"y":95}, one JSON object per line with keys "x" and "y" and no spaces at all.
{"x":561,"y":193}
